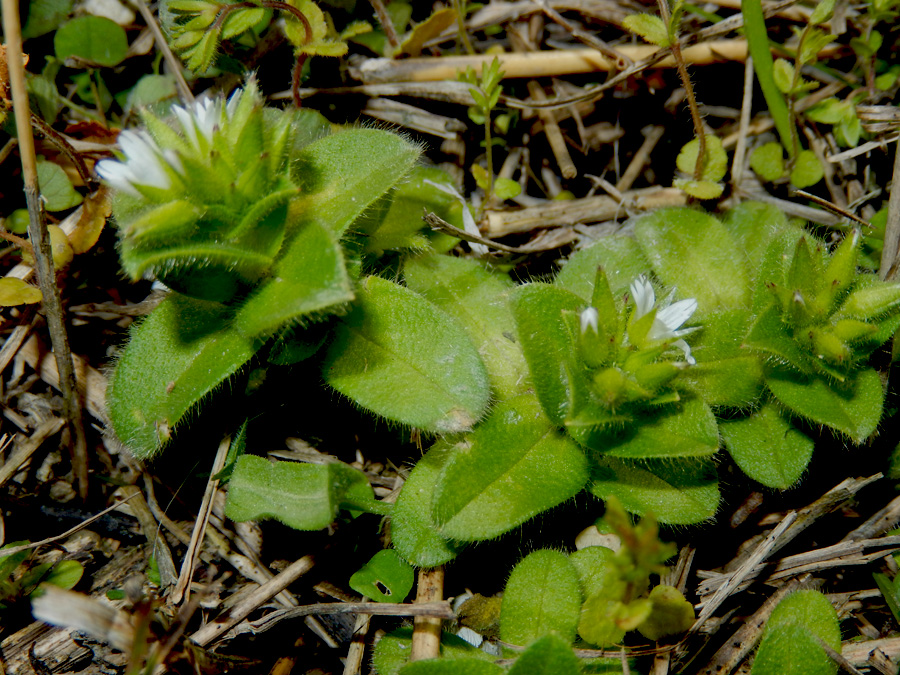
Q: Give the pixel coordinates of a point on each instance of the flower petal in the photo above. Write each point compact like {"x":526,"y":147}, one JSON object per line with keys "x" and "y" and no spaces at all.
{"x":589,"y":319}
{"x":677,"y":313}
{"x":643,"y":296}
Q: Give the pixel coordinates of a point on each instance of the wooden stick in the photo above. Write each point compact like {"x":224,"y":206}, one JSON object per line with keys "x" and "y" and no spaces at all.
{"x":230,"y":618}
{"x":40,"y":238}
{"x":586,"y":210}
{"x":553,"y":133}
{"x":426,"y":640}
{"x":182,"y":588}
{"x":541,"y":64}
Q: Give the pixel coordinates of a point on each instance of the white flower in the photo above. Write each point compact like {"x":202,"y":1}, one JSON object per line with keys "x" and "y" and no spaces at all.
{"x":589,"y":319}
{"x":668,"y":319}
{"x":204,"y":116}
{"x":145,"y":164}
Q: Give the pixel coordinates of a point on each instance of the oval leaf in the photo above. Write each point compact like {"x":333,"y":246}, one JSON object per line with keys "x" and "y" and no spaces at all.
{"x":385,"y":578}
{"x":178,"y":355}
{"x":516,"y":466}
{"x":92,"y":38}
{"x":302,"y":496}
{"x":14,"y":291}
{"x":790,"y":643}
{"x":399,"y":356}
{"x":413,"y":531}
{"x":767,"y":447}
{"x":677,"y":492}
{"x":541,"y":598}
{"x":853,"y":407}
{"x":694,"y":253}
{"x":479,"y":300}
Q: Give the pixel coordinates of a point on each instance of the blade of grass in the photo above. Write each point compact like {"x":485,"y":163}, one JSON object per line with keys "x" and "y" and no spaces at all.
{"x":758,"y":42}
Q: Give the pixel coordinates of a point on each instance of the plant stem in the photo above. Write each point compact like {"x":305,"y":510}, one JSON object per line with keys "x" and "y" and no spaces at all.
{"x":489,"y":147}
{"x":385,"y":20}
{"x":460,"y":7}
{"x":43,"y":258}
{"x":688,"y":88}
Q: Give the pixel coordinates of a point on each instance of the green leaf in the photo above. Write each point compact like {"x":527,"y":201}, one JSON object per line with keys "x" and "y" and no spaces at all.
{"x":758,"y":42}
{"x":598,"y":572}
{"x":399,"y":356}
{"x":701,"y":189}
{"x":385,"y":578}
{"x":538,"y":309}
{"x":619,"y":256}
{"x":769,"y":334}
{"x":200,"y":57}
{"x":56,"y":188}
{"x":549,"y":655}
{"x":94,"y":39}
{"x":693,"y":252}
{"x":715,"y":162}
{"x":677,"y":492}
{"x":434,"y":25}
{"x":316,"y":282}
{"x":541,"y":598}
{"x":413,"y":531}
{"x":516,"y":465}
{"x":767,"y":160}
{"x":184,"y":350}
{"x":815,"y":41}
{"x":671,"y":613}
{"x":684,"y":430}
{"x":479,"y":300}
{"x":754,"y":224}
{"x":457,"y":666}
{"x":790,"y":643}
{"x":889,"y":592}
{"x":807,"y":169}
{"x":648,"y":26}
{"x":396,"y":224}
{"x":151,"y":89}
{"x":45,"y":16}
{"x":506,"y":188}
{"x":65,"y":574}
{"x":725,"y":374}
{"x":241,"y":20}
{"x":302,"y":496}
{"x":14,"y":291}
{"x":853,"y":407}
{"x":767,"y":447}
{"x":829,"y":111}
{"x":392,"y":651}
{"x":783,"y":74}
{"x":822,"y":12}
{"x":340,"y":176}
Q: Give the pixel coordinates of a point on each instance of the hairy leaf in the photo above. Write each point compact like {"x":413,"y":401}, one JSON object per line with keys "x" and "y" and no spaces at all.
{"x":399,"y":356}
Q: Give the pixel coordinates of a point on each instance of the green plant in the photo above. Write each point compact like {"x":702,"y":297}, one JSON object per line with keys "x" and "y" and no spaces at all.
{"x":245,"y":213}
{"x":595,"y":595}
{"x":703,"y":158}
{"x":779,"y":79}
{"x":794,"y":637}
{"x":21,"y":576}
{"x":196,"y":28}
{"x":486,"y":90}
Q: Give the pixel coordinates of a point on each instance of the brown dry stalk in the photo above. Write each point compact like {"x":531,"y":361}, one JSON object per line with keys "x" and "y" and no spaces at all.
{"x":37,"y":231}
{"x":426,"y":640}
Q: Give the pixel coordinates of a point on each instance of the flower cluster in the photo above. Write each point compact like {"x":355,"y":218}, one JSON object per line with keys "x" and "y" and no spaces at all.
{"x":623,"y":351}
{"x":202,"y":196}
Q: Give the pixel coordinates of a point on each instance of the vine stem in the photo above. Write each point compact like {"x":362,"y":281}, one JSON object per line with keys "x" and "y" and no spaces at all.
{"x":284,"y":7}
{"x":43,"y":258}
{"x":675,"y":46}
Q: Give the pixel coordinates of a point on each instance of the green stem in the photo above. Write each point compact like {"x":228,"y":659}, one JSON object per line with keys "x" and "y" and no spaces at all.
{"x":758,"y":42}
{"x":489,"y":146}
